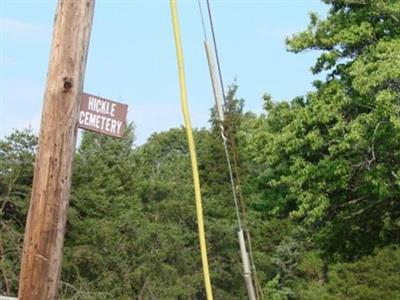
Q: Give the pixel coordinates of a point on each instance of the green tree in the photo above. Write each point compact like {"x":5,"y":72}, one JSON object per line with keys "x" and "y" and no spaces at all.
{"x":17,"y":156}
{"x":372,"y":277}
{"x":332,"y":158}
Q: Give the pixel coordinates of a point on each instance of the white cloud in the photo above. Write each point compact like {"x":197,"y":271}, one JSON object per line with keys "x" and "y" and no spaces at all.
{"x":13,"y":28}
{"x":23,"y":99}
{"x":276,"y":32}
{"x":21,"y":104}
{"x":8,"y":62}
{"x":32,"y":122}
{"x":161,"y":116}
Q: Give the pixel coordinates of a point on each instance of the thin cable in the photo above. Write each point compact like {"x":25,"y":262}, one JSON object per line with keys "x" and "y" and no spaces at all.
{"x":234,"y":153}
{"x":253,"y":266}
{"x":216,"y":50}
{"x":220,"y":116}
{"x":232,"y":180}
{"x":192,"y":148}
{"x":202,"y":20}
{"x":229,"y":121}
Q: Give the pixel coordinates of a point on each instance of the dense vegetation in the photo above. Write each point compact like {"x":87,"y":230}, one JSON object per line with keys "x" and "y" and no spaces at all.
{"x":321,"y":179}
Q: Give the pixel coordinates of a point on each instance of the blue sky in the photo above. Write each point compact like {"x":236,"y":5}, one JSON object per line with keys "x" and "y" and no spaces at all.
{"x":132,"y":57}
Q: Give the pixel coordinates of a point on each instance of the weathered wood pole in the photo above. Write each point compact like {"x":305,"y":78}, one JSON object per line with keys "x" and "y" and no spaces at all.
{"x":45,"y":226}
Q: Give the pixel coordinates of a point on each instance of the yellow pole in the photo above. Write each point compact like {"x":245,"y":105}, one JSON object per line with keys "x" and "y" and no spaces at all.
{"x":192,"y":148}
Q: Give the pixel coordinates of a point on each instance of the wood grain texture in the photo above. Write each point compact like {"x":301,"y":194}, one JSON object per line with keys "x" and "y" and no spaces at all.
{"x":45,"y":227}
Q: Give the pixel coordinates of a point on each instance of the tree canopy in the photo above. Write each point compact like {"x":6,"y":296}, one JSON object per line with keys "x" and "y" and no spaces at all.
{"x":320,"y":177}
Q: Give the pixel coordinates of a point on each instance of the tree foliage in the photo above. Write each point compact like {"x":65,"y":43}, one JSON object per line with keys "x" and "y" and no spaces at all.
{"x":320,"y":177}
{"x":17,"y":153}
{"x":332,"y":157}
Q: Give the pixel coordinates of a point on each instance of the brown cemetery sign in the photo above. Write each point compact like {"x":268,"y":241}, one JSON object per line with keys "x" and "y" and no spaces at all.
{"x":102,"y":115}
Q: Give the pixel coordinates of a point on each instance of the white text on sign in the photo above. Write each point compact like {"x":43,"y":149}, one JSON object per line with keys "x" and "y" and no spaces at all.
{"x":91,"y":118}
{"x":102,"y":115}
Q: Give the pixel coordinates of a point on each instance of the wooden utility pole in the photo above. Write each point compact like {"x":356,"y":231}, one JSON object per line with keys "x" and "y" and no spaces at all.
{"x":45,"y":226}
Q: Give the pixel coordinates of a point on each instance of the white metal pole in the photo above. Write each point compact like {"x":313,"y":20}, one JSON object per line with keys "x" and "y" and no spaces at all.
{"x":246,"y":266}
{"x":214,"y":81}
{"x":218,"y":96}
